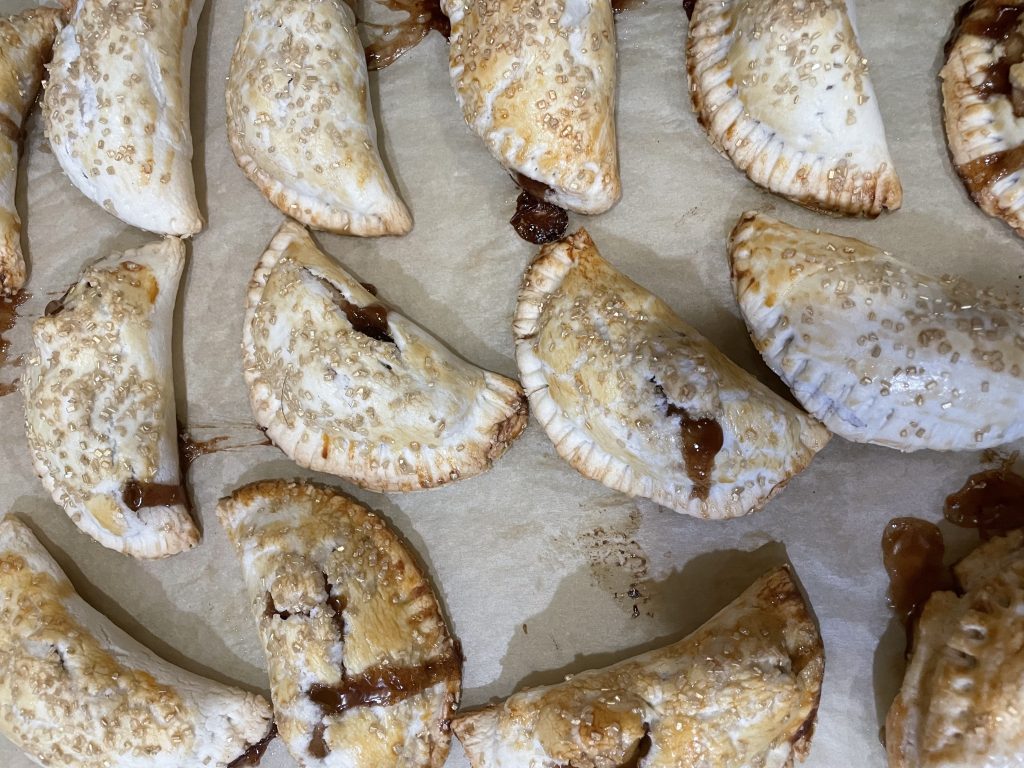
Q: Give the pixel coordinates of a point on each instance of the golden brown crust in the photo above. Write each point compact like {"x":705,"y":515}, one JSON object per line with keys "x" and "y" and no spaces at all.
{"x":76,"y":692}
{"x":340,"y":602}
{"x":741,"y":690}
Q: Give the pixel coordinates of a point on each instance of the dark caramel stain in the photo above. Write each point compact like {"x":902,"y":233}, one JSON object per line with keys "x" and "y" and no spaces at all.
{"x":991,"y":501}
{"x":688,"y":7}
{"x":9,"y":306}
{"x":382,"y":685}
{"x":137,"y":495}
{"x":979,"y":174}
{"x":389,"y":41}
{"x":702,"y":439}
{"x":912,"y":551}
{"x":254,"y":753}
{"x":190,"y":449}
{"x":538,"y":221}
{"x":621,"y":6}
{"x":371,"y":320}
{"x":318,"y":746}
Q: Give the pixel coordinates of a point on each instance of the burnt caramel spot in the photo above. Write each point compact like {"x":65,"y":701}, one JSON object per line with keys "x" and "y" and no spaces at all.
{"x":371,"y":320}
{"x":318,"y":746}
{"x":370,"y":288}
{"x":137,"y":495}
{"x":537,"y":221}
{"x":254,"y":753}
{"x":912,"y":551}
{"x":390,"y":41}
{"x":702,"y":439}
{"x":991,"y":501}
{"x":382,"y":685}
{"x":9,"y":307}
{"x":688,"y":7}
{"x":621,"y":6}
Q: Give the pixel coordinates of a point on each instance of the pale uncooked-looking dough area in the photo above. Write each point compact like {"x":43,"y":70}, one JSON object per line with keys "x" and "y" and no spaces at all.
{"x":518,"y":555}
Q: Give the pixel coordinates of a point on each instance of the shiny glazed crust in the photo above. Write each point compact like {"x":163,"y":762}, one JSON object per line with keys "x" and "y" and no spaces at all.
{"x":607,"y":367}
{"x":965,"y":682}
{"x":116,"y":110}
{"x":878,"y":351}
{"x":742,"y":690}
{"x":25,"y":41}
{"x":782,"y":89}
{"x":388,"y":416}
{"x":537,"y":84}
{"x":99,"y":400}
{"x":300,"y":123}
{"x":981,"y":125}
{"x":308,"y":551}
{"x":77,"y":692}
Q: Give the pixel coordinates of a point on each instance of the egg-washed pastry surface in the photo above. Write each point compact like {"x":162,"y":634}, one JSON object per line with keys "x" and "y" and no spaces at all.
{"x":536,"y":81}
{"x":635,"y":398}
{"x":344,"y":384}
{"x":742,"y":690}
{"x":300,"y":122}
{"x":983,"y":103}
{"x":116,"y":109}
{"x":363,"y":671}
{"x":782,"y":88}
{"x":962,"y":693}
{"x":25,"y":41}
{"x":877,"y":350}
{"x":99,"y":403}
{"x":77,"y":692}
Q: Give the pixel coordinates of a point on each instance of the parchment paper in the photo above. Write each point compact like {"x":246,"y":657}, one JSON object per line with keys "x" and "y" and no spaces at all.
{"x":531,"y":561}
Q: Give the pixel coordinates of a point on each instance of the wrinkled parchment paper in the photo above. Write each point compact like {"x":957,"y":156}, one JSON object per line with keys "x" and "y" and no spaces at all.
{"x":532,"y":562}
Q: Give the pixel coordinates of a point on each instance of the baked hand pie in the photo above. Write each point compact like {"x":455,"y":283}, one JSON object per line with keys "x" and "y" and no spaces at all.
{"x":77,"y":692}
{"x":635,"y":398}
{"x":116,"y":109}
{"x":25,"y":41}
{"x":538,"y":86}
{"x":962,"y":690}
{"x":782,"y":89}
{"x":99,"y":403}
{"x":346,"y":385}
{"x":742,"y":690}
{"x":300,"y":122}
{"x":878,"y":351}
{"x":983,"y":103}
{"x":363,"y":671}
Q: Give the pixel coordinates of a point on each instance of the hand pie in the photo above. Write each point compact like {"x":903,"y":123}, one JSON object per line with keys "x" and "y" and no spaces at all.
{"x":961,"y":696}
{"x":742,"y":690}
{"x":25,"y":41}
{"x":77,"y":692}
{"x":99,"y":403}
{"x":300,"y":122}
{"x":343,"y":384}
{"x":538,"y":86}
{"x":634,"y":397}
{"x":878,"y":351}
{"x":782,"y":88}
{"x":363,"y":671}
{"x":116,"y":110}
{"x":983,"y":100}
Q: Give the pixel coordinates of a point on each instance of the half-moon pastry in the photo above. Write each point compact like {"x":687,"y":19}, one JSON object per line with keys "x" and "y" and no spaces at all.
{"x":742,"y":690}
{"x":961,"y":695}
{"x":116,"y":109}
{"x":782,"y":89}
{"x":25,"y":41}
{"x":99,"y":403}
{"x":878,"y":351}
{"x":346,"y":385}
{"x":77,"y":692}
{"x":300,"y":122}
{"x":363,"y":671}
{"x":538,"y":86}
{"x":634,"y":397}
{"x":983,"y":102}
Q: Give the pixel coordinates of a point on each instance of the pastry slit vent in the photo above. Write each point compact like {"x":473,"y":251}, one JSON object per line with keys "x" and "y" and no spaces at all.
{"x":701,"y":438}
{"x":254,"y":752}
{"x":336,"y":603}
{"x":371,"y":320}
